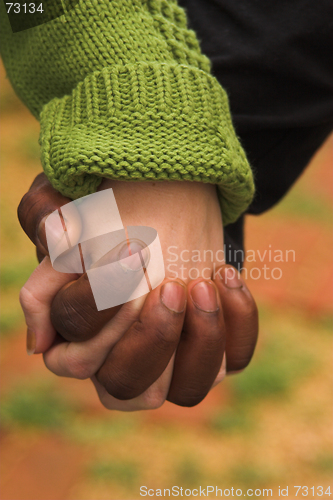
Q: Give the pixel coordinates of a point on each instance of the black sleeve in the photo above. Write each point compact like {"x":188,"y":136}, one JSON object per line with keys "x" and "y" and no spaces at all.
{"x":275,"y":61}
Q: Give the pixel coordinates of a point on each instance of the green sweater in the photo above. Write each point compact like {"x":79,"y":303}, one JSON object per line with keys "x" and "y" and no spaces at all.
{"x":122,"y":91}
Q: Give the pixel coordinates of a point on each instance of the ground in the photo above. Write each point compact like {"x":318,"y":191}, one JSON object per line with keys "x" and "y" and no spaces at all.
{"x":268,"y":427}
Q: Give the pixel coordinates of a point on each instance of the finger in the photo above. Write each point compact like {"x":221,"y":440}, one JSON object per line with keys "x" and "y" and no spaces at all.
{"x":83,"y":359}
{"x":151,"y":399}
{"x":201,"y":347}
{"x":40,"y":256}
{"x":143,"y":353}
{"x":39,"y":202}
{"x":74,"y":313}
{"x":240,"y":315}
{"x":36,"y":297}
{"x":222,"y":372}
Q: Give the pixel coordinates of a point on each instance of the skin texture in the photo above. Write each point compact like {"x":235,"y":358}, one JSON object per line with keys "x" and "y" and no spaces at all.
{"x":175,"y":343}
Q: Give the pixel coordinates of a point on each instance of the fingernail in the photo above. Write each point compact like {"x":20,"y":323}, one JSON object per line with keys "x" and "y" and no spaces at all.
{"x":173,"y":296}
{"x":231,"y":278}
{"x":204,"y":296}
{"x":138,"y":253}
{"x":52,"y":226}
{"x":31,"y":342}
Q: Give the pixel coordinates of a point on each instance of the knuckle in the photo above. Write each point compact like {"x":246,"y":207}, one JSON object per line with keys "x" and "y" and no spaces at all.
{"x":187,"y":398}
{"x":22,"y":208}
{"x":78,"y":367}
{"x":106,"y":401}
{"x":119,"y":383}
{"x":240,"y":364}
{"x":213,"y":338}
{"x":220,"y":376}
{"x":26,"y":208}
{"x":129,"y":313}
{"x":119,"y":388}
{"x":235,"y":371}
{"x":70,"y":322}
{"x":240,"y":359}
{"x":248,"y":308}
{"x":32,"y":208}
{"x":64,"y":325}
{"x":153,"y":398}
{"x":164,"y":335}
{"x":28,"y":301}
{"x":24,"y":298}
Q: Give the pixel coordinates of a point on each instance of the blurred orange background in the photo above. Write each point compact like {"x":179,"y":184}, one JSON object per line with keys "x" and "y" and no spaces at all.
{"x":270,"y":426}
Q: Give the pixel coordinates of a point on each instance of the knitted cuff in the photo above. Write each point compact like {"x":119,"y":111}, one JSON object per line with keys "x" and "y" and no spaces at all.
{"x":145,"y":121}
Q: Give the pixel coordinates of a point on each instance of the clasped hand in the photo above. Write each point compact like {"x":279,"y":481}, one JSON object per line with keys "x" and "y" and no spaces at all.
{"x":175,"y":343}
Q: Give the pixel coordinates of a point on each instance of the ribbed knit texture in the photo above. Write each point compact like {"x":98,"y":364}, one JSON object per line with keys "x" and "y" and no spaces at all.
{"x":122,"y":91}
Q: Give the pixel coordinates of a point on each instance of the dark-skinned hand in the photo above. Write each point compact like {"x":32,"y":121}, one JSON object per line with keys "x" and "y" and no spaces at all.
{"x":178,"y":341}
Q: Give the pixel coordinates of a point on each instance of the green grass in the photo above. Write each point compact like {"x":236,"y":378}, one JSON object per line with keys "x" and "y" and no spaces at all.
{"x":274,"y":371}
{"x":10,"y":320}
{"x":11,"y":232}
{"x":249,"y":474}
{"x":93,"y":430}
{"x":324,"y":463}
{"x":15,"y":275}
{"x":302,"y":205}
{"x":38,"y":406}
{"x":12,"y":278}
{"x":188,"y":472}
{"x":325,"y":323}
{"x":290,"y":348}
{"x":122,"y":472}
{"x":232,"y":420}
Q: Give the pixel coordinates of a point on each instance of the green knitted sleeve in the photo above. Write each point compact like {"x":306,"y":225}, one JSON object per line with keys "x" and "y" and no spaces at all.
{"x":123,"y":91}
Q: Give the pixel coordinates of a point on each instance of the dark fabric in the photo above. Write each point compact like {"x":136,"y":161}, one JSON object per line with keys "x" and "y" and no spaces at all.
{"x":279,"y":156}
{"x":273,"y":58}
{"x":234,"y":252}
{"x":275,"y":61}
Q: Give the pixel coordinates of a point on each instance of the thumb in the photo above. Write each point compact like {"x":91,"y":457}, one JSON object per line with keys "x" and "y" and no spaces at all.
{"x":36,"y":297}
{"x":35,"y":207}
{"x":84,"y":306}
